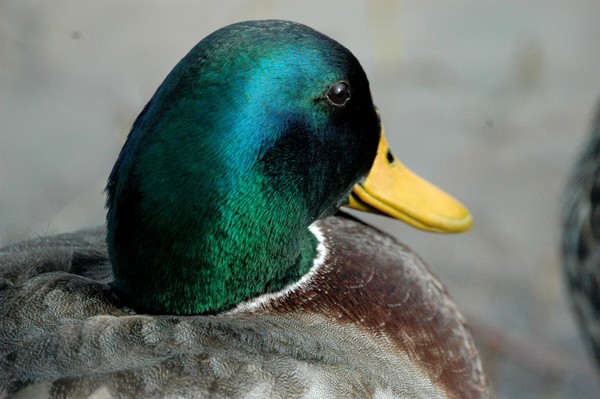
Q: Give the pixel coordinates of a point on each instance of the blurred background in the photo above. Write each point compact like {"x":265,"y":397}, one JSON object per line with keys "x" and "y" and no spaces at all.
{"x":488,"y":99}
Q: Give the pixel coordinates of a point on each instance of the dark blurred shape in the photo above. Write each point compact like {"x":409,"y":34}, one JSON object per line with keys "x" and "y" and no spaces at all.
{"x":581,"y":240}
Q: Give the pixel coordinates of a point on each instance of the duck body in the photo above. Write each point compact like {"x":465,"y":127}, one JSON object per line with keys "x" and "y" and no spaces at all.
{"x":225,"y":268}
{"x":581,"y":240}
{"x":344,"y":331}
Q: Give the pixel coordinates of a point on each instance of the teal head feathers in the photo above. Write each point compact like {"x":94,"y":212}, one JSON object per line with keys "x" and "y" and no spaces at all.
{"x":261,"y":129}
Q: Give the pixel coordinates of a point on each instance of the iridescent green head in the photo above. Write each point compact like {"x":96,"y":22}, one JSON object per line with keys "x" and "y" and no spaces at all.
{"x":261,"y":129}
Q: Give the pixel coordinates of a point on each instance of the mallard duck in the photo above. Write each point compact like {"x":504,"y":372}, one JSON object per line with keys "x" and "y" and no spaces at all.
{"x":581,"y":240}
{"x":225,"y":269}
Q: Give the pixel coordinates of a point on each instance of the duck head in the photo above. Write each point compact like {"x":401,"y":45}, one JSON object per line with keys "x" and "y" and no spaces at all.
{"x":261,"y":129}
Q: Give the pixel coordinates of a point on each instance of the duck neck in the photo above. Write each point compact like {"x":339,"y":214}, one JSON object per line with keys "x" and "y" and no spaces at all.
{"x":207,"y":258}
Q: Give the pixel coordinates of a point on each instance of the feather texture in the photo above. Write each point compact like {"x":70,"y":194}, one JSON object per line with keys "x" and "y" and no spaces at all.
{"x":378,"y":325}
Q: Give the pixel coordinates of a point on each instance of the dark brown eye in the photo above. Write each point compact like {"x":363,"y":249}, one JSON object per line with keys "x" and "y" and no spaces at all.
{"x":339,"y":94}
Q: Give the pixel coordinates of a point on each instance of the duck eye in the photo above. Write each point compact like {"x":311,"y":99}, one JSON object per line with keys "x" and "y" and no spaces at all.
{"x":338,"y":94}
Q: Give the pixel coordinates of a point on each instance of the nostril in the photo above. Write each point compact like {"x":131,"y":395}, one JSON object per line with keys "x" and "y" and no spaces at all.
{"x":390,"y":156}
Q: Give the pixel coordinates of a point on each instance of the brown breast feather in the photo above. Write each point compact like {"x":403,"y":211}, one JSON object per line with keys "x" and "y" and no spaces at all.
{"x":380,"y":285}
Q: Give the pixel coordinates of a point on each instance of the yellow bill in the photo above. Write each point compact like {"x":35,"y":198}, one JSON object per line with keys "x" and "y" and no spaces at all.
{"x":393,"y":190}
